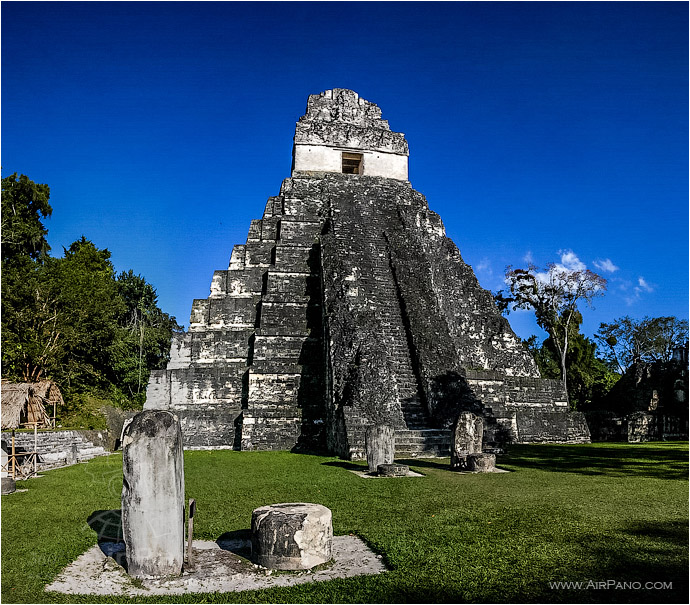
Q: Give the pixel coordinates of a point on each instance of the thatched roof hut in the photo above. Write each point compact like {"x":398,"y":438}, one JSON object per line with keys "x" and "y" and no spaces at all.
{"x":49,"y":392}
{"x":25,"y":403}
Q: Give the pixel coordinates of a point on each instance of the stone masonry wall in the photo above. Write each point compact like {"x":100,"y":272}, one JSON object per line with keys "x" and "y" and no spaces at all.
{"x":637,"y":427}
{"x":379,"y":288}
{"x":250,"y":373}
{"x":528,"y":409}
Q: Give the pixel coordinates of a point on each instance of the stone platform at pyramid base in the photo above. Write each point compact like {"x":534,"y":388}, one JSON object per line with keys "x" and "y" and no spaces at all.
{"x":223,"y":430}
{"x":515,"y":410}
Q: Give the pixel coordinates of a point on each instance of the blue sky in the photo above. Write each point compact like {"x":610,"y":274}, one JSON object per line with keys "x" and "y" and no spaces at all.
{"x":541,"y":131}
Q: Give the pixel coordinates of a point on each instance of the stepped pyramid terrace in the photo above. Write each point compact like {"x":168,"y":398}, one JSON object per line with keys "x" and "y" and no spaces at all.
{"x":348,"y":306}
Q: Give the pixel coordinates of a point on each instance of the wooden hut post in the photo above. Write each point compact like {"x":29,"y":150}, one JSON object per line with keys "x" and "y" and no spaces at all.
{"x":35,"y":448}
{"x":14,"y":458}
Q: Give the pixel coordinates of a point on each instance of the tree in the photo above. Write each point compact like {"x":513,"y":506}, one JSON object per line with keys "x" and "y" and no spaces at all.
{"x":627,"y":340}
{"x":31,"y":337}
{"x":553,"y":295}
{"x":24,"y":203}
{"x":71,"y":319}
{"x":588,"y":377}
{"x":59,"y":316}
{"x":144,"y":334}
{"x":89,"y":309}
{"x":28,"y":315}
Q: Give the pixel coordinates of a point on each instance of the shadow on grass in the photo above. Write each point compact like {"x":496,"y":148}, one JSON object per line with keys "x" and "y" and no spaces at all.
{"x":617,"y":461}
{"x":108,"y":527}
{"x":672,"y":532}
{"x":644,"y":554}
{"x":421,"y":463}
{"x":107,"y":524}
{"x":350,"y":466}
{"x":238,"y":542}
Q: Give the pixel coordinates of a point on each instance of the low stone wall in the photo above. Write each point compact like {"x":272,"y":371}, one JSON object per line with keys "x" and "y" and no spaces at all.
{"x":541,"y":426}
{"x":59,"y":448}
{"x":503,"y":393}
{"x":526,"y":410}
{"x":267,"y":429}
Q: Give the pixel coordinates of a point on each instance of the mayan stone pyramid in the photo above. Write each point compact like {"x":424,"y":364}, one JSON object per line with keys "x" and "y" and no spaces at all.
{"x":349,"y":306}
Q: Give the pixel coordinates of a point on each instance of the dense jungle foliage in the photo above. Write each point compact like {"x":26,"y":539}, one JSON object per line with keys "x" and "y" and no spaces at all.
{"x":72,"y":319}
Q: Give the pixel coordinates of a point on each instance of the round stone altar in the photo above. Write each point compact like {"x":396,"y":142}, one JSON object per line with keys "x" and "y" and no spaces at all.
{"x":481,"y":463}
{"x":289,"y":536}
{"x":392,"y":470}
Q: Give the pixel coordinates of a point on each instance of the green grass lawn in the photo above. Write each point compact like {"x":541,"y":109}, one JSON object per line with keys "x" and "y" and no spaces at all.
{"x":595,"y":512}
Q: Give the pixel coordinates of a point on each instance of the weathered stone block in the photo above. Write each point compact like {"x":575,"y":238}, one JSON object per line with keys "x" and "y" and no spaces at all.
{"x":468,"y":433}
{"x":392,"y":470}
{"x":153,"y":505}
{"x":5,"y":459}
{"x":481,"y":463}
{"x":8,"y":486}
{"x":379,"y":445}
{"x":292,"y":535}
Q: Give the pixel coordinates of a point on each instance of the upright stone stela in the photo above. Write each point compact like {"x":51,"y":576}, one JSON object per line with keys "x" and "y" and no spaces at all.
{"x":153,"y":503}
{"x":346,"y":307}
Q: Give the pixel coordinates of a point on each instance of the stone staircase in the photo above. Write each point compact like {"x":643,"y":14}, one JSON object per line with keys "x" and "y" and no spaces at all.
{"x":383,"y":293}
{"x":390,"y":316}
{"x":415,"y":414}
{"x":426,"y":443}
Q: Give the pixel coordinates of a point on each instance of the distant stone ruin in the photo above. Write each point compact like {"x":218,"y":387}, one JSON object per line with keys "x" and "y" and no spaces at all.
{"x":648,"y":403}
{"x":347,"y":307}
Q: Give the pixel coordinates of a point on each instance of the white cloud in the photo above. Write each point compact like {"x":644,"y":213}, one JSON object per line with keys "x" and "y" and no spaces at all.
{"x":643,"y":285}
{"x":528,"y":258}
{"x":605,"y":265}
{"x":570,"y":261}
{"x":569,"y":264}
{"x":567,"y":273}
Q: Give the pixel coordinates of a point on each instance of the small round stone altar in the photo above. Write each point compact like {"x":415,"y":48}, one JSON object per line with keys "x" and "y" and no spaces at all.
{"x":481,"y":463}
{"x":392,"y":470}
{"x":296,"y":535}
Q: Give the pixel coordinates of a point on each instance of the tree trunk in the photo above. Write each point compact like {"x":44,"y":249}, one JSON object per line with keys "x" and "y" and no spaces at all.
{"x":562,"y":352}
{"x":564,"y":375}
{"x":564,"y":371}
{"x":141,"y":350}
